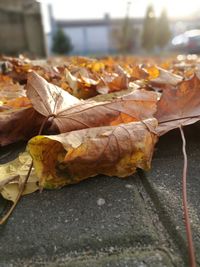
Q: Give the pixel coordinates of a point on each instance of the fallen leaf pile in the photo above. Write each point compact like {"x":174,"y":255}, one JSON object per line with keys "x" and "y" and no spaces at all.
{"x":96,"y":116}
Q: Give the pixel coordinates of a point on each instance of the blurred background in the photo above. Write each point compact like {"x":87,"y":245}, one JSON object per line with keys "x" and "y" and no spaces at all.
{"x":96,"y":28}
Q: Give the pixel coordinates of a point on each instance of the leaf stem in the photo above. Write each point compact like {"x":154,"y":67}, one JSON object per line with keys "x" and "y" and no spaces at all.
{"x":191,"y":250}
{"x":177,"y":119}
{"x":21,"y":190}
{"x":23,"y":185}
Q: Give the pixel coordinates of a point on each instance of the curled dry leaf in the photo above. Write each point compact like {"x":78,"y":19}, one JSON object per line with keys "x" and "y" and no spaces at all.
{"x":135,"y":106}
{"x":47,"y":98}
{"x":179,"y":105}
{"x":73,"y":114}
{"x":13,"y":174}
{"x":112,"y":82}
{"x":139,"y":73}
{"x":24,"y":123}
{"x":82,"y":83}
{"x":86,"y":82}
{"x":10,"y":90}
{"x":113,"y":150}
{"x":19,"y":102}
{"x":164,"y":78}
{"x":19,"y":124}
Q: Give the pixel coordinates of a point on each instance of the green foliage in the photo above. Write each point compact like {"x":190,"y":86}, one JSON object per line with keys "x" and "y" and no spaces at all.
{"x":61,"y":43}
{"x":149,"y":30}
{"x":163,"y":30}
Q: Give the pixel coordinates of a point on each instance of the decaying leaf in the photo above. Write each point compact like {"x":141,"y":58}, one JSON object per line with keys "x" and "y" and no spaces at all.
{"x":19,"y":124}
{"x":135,"y":106}
{"x":73,"y":114}
{"x":10,"y":90}
{"x":47,"y":98}
{"x":19,"y":102}
{"x":118,"y":130}
{"x":113,"y":150}
{"x":112,"y":83}
{"x":13,"y":174}
{"x":167,"y":77}
{"x":82,"y":82}
{"x":105,"y":134}
{"x":179,"y":105}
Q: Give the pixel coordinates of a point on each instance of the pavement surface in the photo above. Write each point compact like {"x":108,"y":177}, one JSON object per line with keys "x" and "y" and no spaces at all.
{"x":106,"y":221}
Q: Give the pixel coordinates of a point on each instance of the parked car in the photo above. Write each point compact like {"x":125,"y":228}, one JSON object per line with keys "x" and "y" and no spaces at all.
{"x":187,"y":42}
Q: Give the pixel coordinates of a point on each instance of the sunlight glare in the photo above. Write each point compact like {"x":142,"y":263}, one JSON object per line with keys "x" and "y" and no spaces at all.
{"x":177,"y":8}
{"x":88,"y":9}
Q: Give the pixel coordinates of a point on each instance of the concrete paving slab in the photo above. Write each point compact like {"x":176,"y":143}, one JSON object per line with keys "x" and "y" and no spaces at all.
{"x":109,"y":221}
{"x":164,"y":186}
{"x":123,"y":258}
{"x":73,"y":220}
{"x":100,"y":215}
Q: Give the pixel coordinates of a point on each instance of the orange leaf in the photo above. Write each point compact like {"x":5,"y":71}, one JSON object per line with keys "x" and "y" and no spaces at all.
{"x":179,"y":102}
{"x":73,"y":114}
{"x":19,"y":124}
{"x":113,"y":150}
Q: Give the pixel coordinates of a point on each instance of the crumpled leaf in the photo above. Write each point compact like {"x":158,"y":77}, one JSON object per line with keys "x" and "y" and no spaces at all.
{"x":86,"y":82}
{"x":112,"y":82}
{"x":135,"y":106}
{"x":167,"y":77}
{"x":139,"y":73}
{"x":113,"y":150}
{"x":12,"y":175}
{"x":10,"y":90}
{"x":47,"y":98}
{"x":82,"y":82}
{"x":179,"y":102}
{"x":164,"y":78}
{"x":19,"y":124}
{"x":19,"y":102}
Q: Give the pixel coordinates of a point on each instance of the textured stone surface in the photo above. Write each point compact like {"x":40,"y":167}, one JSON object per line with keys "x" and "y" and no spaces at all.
{"x":164,"y":185}
{"x":109,"y":221}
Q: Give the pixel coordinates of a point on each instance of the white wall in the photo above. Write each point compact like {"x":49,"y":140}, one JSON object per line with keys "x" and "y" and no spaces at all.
{"x":89,"y":39}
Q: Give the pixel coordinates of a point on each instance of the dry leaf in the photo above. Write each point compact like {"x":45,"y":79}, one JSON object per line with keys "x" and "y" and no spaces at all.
{"x":135,"y":106}
{"x":13,"y":174}
{"x":166,"y":77}
{"x":47,"y":98}
{"x":10,"y":90}
{"x":19,"y":102}
{"x":139,"y":73}
{"x":19,"y":124}
{"x":112,"y":82}
{"x":183,"y":102}
{"x":82,"y":83}
{"x":113,"y":150}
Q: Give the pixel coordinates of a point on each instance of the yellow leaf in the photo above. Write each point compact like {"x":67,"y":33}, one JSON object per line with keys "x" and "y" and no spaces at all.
{"x":12,"y":176}
{"x":112,"y":150}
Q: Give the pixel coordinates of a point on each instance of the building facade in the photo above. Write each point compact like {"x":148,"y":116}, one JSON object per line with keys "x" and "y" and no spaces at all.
{"x":97,"y":36}
{"x":21,"y":28}
{"x":100,"y":36}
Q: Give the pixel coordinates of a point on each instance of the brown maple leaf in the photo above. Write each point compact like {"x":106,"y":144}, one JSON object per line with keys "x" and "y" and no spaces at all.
{"x":179,"y":105}
{"x":160,"y":79}
{"x":47,"y":98}
{"x":73,"y":114}
{"x":112,"y":150}
{"x":19,"y":124}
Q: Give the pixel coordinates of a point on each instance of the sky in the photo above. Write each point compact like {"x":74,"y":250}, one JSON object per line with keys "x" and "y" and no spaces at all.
{"x":88,"y":9}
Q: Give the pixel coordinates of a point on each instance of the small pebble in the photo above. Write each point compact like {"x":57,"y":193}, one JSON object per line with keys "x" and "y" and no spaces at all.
{"x":129,"y":186}
{"x":101,"y":202}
